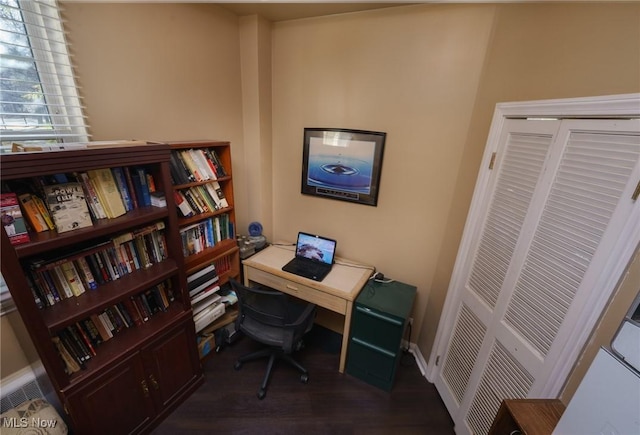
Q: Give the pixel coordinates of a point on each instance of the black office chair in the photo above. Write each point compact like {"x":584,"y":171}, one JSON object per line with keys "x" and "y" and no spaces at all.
{"x":275,"y":319}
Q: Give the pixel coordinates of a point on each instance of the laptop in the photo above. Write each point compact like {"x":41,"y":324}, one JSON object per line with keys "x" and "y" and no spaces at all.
{"x":314,"y":257}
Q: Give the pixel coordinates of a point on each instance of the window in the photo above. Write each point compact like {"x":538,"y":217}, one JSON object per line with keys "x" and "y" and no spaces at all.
{"x":38,"y":95}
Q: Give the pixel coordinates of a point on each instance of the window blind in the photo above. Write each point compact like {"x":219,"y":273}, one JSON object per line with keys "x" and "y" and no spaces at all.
{"x":38,"y":94}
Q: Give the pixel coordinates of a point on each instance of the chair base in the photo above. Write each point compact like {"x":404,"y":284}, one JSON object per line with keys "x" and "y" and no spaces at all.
{"x":273,"y":354}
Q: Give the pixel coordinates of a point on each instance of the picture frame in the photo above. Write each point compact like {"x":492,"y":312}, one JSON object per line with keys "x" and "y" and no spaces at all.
{"x":342,"y":164}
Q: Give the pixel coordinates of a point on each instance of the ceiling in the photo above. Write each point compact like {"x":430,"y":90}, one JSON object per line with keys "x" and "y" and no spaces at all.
{"x":293,"y":11}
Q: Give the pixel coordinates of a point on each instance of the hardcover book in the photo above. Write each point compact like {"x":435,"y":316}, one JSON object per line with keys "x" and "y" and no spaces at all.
{"x":67,"y":206}
{"x":12,"y":219}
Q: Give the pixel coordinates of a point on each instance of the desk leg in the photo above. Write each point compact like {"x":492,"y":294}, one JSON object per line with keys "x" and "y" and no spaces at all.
{"x":345,"y":337}
{"x":246,"y":275}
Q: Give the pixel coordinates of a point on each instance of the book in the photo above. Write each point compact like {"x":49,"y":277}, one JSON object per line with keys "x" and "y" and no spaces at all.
{"x":210,"y":162}
{"x":67,"y":206}
{"x":191,"y":166}
{"x":44,"y":212}
{"x":71,"y":365}
{"x":140,"y":183}
{"x":221,"y":195}
{"x":82,"y":266}
{"x":44,"y":282}
{"x":104,"y":332}
{"x":178,"y":171}
{"x":219,"y":167}
{"x":92,"y":196}
{"x":158,"y":199}
{"x":182,"y":204}
{"x":32,"y":213}
{"x":61,"y":283}
{"x":108,"y":193}
{"x":12,"y":220}
{"x":131,"y":187}
{"x":123,"y":188}
{"x":151,"y":182}
{"x":73,"y":278}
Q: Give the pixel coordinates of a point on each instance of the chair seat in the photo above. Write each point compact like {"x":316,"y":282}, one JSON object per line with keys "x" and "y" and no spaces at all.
{"x":265,"y":334}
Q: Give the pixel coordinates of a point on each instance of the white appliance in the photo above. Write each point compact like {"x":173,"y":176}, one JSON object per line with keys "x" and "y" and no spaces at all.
{"x":607,"y":402}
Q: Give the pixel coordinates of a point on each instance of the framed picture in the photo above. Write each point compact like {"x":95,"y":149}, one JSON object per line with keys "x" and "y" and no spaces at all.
{"x":342,"y":164}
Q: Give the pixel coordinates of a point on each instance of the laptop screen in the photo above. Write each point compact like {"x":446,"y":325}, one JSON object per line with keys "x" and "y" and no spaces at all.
{"x":315,"y":248}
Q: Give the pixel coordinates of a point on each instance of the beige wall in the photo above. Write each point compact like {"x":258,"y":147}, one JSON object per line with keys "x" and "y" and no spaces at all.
{"x":160,"y":72}
{"x":428,"y":75}
{"x":412,"y":72}
{"x":12,"y":357}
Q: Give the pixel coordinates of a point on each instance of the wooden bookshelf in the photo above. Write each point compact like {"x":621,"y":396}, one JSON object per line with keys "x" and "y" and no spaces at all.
{"x":137,"y":377}
{"x":225,"y":253}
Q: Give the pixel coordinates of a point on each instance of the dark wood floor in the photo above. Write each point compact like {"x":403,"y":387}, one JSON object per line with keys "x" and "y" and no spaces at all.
{"x":330,"y":403}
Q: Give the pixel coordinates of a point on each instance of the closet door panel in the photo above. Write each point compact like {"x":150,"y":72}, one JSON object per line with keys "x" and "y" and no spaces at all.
{"x":542,"y":264}
{"x":520,"y":158}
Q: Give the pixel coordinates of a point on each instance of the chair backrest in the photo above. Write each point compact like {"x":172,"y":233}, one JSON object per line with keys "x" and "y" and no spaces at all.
{"x":264,"y":305}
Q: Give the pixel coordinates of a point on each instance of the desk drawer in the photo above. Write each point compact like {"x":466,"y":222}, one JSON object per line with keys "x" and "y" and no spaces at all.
{"x":309,"y":294}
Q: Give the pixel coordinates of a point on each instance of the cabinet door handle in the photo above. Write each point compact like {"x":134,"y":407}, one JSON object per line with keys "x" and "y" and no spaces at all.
{"x":373,"y":347}
{"x":154,"y":383}
{"x":368,"y":312}
{"x":145,"y":388}
{"x":292,"y":287}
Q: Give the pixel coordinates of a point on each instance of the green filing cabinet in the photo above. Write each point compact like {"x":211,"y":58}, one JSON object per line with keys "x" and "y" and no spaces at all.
{"x":380,"y":315}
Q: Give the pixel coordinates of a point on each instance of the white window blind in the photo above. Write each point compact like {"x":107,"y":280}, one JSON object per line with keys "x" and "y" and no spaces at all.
{"x":38,"y":94}
{"x":39,"y":101}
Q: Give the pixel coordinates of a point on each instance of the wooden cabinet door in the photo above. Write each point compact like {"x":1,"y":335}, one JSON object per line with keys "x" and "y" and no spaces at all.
{"x":116,"y":403}
{"x":171,"y":364}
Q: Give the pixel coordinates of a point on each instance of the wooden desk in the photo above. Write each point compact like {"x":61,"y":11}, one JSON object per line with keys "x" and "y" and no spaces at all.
{"x":336,"y":292}
{"x":527,"y":417}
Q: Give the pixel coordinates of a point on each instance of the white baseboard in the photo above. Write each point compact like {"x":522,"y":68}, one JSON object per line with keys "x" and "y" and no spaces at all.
{"x":420,"y":361}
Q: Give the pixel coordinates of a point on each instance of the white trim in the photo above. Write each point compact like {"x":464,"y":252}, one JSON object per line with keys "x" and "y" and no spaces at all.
{"x":623,"y":105}
{"x":16,"y":380}
{"x":420,"y":361}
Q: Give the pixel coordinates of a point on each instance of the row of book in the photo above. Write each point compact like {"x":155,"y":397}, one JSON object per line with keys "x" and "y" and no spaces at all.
{"x":78,"y":343}
{"x":224,"y":264}
{"x":200,"y":199}
{"x":205,"y":234}
{"x":191,"y":165}
{"x":65,"y":202}
{"x":58,"y":279}
{"x":112,"y":192}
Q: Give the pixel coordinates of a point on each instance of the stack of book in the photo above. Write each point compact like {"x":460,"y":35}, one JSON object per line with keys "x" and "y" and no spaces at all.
{"x":205,"y":302}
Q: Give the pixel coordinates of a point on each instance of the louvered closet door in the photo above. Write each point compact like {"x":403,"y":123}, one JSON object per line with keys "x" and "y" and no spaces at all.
{"x":556,"y":209}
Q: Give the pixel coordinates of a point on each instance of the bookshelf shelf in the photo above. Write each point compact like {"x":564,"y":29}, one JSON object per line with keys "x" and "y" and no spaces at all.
{"x":127,"y":343}
{"x":144,"y":351}
{"x":71,"y":310}
{"x":50,"y":240}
